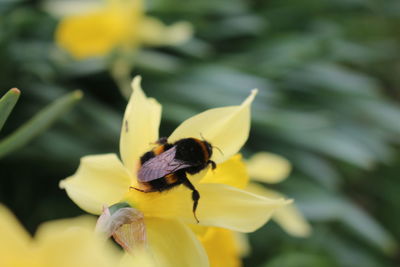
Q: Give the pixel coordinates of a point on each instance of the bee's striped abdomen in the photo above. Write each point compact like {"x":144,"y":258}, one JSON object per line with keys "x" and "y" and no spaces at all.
{"x":167,"y":182}
{"x":171,"y":178}
{"x":155,"y":152}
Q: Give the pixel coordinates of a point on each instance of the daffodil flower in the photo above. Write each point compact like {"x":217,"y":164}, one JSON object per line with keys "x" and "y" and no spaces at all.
{"x":104,"y":181}
{"x":66,"y":243}
{"x":105,"y":25}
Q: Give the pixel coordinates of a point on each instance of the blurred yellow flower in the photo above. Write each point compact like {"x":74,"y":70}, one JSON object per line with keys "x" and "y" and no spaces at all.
{"x":115,"y":24}
{"x":103,"y":180}
{"x":62,"y":243}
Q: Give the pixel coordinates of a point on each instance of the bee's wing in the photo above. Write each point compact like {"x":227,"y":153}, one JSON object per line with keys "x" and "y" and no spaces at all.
{"x":161,"y":165}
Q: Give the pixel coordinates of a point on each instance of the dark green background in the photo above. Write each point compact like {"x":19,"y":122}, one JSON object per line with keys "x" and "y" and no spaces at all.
{"x":328,"y":74}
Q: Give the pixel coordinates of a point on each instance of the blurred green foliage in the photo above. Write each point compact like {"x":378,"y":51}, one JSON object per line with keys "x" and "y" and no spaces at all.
{"x":34,"y":126}
{"x":328,"y":74}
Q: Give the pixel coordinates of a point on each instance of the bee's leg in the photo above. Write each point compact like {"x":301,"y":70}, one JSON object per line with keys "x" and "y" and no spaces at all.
{"x":213,"y":164}
{"x":195,"y":195}
{"x":143,"y":190}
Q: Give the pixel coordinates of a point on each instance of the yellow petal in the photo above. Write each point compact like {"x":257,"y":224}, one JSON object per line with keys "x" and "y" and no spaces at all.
{"x":221,"y":247}
{"x":154,"y":32}
{"x":288,"y":217}
{"x":219,"y":205}
{"x":171,"y":204}
{"x":92,"y":34}
{"x":140,"y":126}
{"x":232,"y":172}
{"x":100,"y":180}
{"x":51,"y":229}
{"x":235,"y":209}
{"x":173,"y":244}
{"x":72,"y":242}
{"x":226,"y":128}
{"x":267,"y":167}
{"x":14,"y":240}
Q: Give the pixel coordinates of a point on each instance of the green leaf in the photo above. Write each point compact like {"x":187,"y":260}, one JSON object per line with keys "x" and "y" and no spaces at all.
{"x":363,"y":224}
{"x":39,"y":123}
{"x":321,"y":205}
{"x":7,"y":103}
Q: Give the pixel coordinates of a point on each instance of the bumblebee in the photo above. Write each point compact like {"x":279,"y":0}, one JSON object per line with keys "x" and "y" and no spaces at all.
{"x":167,"y":165}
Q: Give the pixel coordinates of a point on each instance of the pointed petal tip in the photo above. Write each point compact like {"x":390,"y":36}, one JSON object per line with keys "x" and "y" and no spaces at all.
{"x":61,"y":184}
{"x":136,"y":81}
{"x":250,"y":98}
{"x":279,"y":202}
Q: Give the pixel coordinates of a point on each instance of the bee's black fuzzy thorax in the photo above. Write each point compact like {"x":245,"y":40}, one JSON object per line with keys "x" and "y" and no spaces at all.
{"x":190,"y":150}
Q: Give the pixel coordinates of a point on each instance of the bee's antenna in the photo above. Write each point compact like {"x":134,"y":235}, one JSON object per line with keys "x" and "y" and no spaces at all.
{"x":220,"y":151}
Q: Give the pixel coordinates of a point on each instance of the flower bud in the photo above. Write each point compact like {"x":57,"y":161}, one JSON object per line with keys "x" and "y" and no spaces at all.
{"x":125,"y":224}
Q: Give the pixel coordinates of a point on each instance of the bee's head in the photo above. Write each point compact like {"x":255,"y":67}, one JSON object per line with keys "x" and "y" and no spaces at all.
{"x":209,"y":148}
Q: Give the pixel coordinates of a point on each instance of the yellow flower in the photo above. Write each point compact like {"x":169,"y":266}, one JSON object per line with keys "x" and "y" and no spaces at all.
{"x":115,"y":24}
{"x":262,"y":167}
{"x":103,"y":180}
{"x":62,"y":243}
